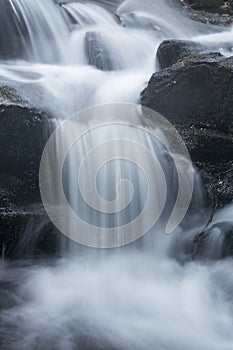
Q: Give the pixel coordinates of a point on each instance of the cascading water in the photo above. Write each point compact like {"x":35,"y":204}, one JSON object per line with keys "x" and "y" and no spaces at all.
{"x":28,"y":24}
{"x":93,"y":64}
{"x":64,"y":58}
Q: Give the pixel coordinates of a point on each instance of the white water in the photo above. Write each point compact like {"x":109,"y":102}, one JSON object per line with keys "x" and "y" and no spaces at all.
{"x":124,"y":302}
{"x":72,"y":84}
{"x":133,"y":299}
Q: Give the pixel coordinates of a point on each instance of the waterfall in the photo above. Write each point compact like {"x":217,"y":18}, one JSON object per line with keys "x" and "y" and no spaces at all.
{"x":83,"y":47}
{"x":65,"y":57}
{"x":97,"y":151}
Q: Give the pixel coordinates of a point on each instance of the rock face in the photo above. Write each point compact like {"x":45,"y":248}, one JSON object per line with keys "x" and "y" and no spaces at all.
{"x":195,"y":94}
{"x":23,"y":134}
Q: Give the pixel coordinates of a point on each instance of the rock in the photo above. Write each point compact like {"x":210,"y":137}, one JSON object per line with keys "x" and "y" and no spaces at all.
{"x":194,"y":91}
{"x":195,"y":94}
{"x":214,"y":16}
{"x":97,"y":51}
{"x":170,"y":51}
{"x":26,"y":232}
{"x":226,"y":8}
{"x":215,"y":242}
{"x":208,"y":3}
{"x":23,"y":134}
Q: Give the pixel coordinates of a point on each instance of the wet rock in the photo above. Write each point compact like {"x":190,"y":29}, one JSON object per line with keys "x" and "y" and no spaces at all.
{"x":227,"y":245}
{"x":215,"y":16}
{"x":171,"y":51}
{"x":26,"y":232}
{"x":195,"y":95}
{"x":215,"y":242}
{"x":212,"y":242}
{"x":208,"y":3}
{"x":194,"y":91}
{"x":23,"y":134}
{"x":97,"y":51}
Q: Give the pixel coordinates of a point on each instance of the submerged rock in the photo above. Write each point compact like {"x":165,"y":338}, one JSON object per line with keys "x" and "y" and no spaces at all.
{"x":195,"y":94}
{"x":97,"y":51}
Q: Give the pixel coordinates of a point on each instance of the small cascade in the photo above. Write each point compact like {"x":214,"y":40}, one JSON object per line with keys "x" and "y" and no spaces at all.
{"x":157,"y":16}
{"x":33,"y":30}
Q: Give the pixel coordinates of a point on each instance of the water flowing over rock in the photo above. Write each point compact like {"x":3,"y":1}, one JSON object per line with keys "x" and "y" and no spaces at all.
{"x":195,"y":95}
{"x":27,"y":32}
{"x":97,"y":51}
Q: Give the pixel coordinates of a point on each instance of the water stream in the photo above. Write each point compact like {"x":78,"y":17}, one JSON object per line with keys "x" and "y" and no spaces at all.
{"x":64,"y":57}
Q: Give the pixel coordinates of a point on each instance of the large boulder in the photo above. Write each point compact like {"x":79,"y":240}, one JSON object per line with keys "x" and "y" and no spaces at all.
{"x":195,"y":94}
{"x":23,"y":134}
{"x":195,"y":91}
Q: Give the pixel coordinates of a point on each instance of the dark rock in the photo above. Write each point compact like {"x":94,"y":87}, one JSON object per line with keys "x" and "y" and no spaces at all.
{"x":170,"y":51}
{"x":23,"y":134}
{"x":215,"y":242}
{"x":27,"y":233}
{"x":97,"y":51}
{"x":227,"y":245}
{"x":215,"y":15}
{"x":208,"y":3}
{"x":194,"y":91}
{"x":195,"y":94}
